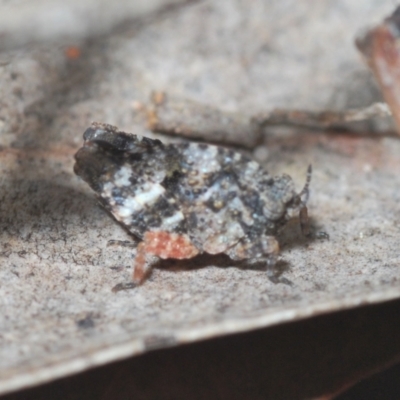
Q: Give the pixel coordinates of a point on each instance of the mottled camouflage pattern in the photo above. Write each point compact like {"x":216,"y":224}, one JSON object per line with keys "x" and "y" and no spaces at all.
{"x":217,"y":199}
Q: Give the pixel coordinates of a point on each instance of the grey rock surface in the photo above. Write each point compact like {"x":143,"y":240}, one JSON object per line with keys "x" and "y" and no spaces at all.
{"x":57,"y":312}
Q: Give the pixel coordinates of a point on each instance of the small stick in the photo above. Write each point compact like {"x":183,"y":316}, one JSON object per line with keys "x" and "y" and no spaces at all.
{"x":323,"y":119}
{"x":199,"y":121}
{"x":193,"y":120}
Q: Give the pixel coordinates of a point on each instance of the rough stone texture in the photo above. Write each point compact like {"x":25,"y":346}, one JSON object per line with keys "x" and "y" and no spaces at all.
{"x":57,"y":312}
{"x":23,"y":22}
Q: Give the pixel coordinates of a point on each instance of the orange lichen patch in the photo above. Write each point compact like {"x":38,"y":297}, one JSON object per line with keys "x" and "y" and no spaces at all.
{"x":158,"y":98}
{"x":152,"y":119}
{"x":140,"y":270}
{"x":169,"y":245}
{"x":163,"y":245}
{"x":73,"y":52}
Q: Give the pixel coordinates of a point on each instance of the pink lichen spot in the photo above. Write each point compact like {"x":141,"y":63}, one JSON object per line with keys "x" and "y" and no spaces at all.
{"x":163,"y":245}
{"x":169,"y":245}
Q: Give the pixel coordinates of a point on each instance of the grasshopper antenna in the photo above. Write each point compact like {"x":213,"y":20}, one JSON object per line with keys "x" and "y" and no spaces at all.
{"x":305,"y":193}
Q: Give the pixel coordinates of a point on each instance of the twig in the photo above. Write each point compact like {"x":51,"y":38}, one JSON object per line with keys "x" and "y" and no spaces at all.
{"x":198,"y":121}
{"x":322,"y":119}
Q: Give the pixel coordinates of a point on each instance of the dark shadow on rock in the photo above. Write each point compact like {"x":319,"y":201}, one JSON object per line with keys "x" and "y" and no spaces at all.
{"x":41,"y":205}
{"x":291,"y":236}
{"x":223,"y":261}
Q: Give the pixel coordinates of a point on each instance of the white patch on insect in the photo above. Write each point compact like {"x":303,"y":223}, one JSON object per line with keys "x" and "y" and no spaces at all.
{"x":206,"y":161}
{"x":237,"y":157}
{"x":122,"y":176}
{"x":173,"y":220}
{"x":251,"y":168}
{"x":132,"y":204}
{"x":149,"y":194}
{"x":107,"y":189}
